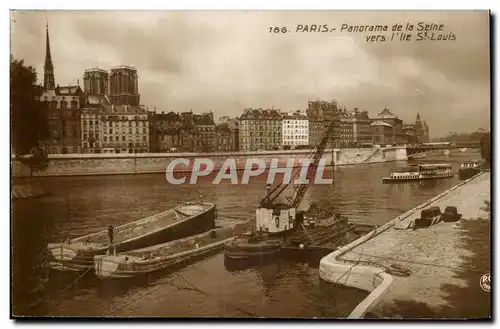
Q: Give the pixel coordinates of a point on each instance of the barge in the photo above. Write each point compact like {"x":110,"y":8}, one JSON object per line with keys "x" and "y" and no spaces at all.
{"x":469,"y":169}
{"x":77,"y":255}
{"x":421,"y":172}
{"x":145,"y":261}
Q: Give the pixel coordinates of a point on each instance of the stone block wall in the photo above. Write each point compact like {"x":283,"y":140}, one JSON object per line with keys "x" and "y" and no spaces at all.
{"x":105,"y":164}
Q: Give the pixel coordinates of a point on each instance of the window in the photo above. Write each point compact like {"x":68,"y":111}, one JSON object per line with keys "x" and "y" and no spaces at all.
{"x":74,"y":104}
{"x":64,"y":104}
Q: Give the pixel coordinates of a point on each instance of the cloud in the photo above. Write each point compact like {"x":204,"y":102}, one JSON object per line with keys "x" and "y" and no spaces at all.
{"x":227,"y":60}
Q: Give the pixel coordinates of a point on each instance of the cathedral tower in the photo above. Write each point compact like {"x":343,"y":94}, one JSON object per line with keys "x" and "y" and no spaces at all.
{"x":48,"y":75}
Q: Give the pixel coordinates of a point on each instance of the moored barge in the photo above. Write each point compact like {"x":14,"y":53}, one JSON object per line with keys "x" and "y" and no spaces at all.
{"x":144,"y":261}
{"x":77,"y":255}
{"x":469,"y":169}
{"x":421,"y":172}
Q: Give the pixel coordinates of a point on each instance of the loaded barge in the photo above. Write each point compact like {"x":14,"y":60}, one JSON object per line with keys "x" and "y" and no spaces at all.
{"x":77,"y":255}
{"x":421,"y":172}
{"x":142,"y":262}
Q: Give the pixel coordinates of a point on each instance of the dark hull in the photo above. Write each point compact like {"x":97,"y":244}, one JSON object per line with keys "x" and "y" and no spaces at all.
{"x":466,"y":173}
{"x":386,"y":180}
{"x":76,"y":259}
{"x":241,"y":249}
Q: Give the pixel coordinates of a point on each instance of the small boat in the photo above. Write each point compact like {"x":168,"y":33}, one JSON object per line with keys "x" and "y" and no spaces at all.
{"x":469,"y":169}
{"x":463,"y":149}
{"x":148,"y":260}
{"x":417,"y":156}
{"x":422,"y":172}
{"x":182,"y":221}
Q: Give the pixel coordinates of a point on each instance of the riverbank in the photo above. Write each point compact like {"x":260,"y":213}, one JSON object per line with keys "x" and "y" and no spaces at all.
{"x":119,"y":164}
{"x":445,"y":261}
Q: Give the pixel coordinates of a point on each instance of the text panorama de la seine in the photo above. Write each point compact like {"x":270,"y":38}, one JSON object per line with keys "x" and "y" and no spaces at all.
{"x":419,"y":31}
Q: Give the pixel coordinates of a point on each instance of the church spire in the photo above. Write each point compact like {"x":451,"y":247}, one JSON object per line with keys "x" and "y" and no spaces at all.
{"x":48,"y":76}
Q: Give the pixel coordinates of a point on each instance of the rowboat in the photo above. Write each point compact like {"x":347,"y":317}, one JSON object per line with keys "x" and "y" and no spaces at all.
{"x":184,"y":220}
{"x":152,"y":259}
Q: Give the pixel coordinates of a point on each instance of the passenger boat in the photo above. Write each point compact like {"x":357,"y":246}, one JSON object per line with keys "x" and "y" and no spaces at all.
{"x":182,"y":221}
{"x":152,"y":259}
{"x":469,"y":169}
{"x":422,"y":172}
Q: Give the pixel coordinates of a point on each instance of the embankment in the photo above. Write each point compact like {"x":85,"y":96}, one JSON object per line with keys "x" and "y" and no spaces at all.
{"x":107,"y":164}
{"x":412,"y":273}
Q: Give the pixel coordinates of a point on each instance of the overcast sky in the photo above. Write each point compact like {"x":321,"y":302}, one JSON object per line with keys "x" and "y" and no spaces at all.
{"x":227,"y":61}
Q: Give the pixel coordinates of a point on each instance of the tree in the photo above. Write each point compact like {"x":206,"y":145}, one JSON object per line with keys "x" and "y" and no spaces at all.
{"x":29,"y":123}
{"x":38,"y":161}
{"x":485,"y":147}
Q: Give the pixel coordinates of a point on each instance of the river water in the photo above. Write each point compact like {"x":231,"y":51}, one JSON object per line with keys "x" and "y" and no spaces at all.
{"x":82,"y":205}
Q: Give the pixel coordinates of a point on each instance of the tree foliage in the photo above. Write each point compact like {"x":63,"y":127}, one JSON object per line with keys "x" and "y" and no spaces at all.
{"x":38,"y":161}
{"x":28,"y":115}
{"x":485,"y":147}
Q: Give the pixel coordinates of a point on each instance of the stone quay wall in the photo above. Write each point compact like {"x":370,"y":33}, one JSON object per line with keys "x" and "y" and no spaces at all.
{"x":107,"y":164}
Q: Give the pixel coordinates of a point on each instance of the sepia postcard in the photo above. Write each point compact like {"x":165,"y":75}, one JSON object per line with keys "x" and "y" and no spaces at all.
{"x":250,"y":164}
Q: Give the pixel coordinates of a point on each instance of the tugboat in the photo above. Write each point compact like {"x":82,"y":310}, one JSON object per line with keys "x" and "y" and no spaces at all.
{"x":275,"y":221}
{"x":422,"y":172}
{"x":469,"y":169}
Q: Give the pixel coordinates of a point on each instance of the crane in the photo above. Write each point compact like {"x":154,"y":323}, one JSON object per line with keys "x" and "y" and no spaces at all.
{"x":300,"y":189}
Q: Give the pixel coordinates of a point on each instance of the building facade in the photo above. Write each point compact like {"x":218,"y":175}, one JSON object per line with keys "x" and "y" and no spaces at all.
{"x":260,"y":130}
{"x":183,"y":132}
{"x":417,"y":132}
{"x":205,"y":139}
{"x":320,"y":115}
{"x":226,"y":138}
{"x":166,"y":132}
{"x":397,"y":125}
{"x":63,"y":111}
{"x":382,"y":133}
{"x":95,"y":82}
{"x":92,"y":129}
{"x":125,"y":129}
{"x":124,"y":86}
{"x":295,"y":130}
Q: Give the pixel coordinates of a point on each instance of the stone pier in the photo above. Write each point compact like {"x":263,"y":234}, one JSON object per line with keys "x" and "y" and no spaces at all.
{"x":431,"y":272}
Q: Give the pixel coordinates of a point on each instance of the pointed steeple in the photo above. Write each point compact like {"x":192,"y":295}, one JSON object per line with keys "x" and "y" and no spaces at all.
{"x":48,"y":76}
{"x":418,"y":116}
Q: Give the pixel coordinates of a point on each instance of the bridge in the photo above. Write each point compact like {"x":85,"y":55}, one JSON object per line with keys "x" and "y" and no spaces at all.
{"x":446,"y":147}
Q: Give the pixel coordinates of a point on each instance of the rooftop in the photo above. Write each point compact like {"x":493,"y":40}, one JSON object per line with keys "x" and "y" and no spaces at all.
{"x":387,"y":114}
{"x":96,"y":69}
{"x":68,"y":90}
{"x":123,"y":67}
{"x":381,"y":123}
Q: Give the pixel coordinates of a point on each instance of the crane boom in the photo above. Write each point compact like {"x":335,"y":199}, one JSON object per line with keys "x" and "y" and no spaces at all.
{"x":301,"y":189}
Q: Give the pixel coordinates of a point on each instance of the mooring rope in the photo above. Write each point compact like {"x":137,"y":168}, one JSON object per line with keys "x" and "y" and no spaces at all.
{"x":77,"y":279}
